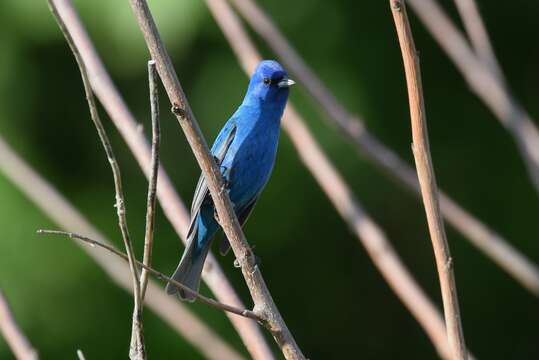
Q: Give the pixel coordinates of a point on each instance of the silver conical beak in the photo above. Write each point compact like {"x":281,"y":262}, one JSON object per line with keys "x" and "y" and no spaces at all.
{"x":286,"y":82}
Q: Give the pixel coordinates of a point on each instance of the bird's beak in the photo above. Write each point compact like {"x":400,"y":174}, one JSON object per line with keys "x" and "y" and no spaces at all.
{"x":285,"y":83}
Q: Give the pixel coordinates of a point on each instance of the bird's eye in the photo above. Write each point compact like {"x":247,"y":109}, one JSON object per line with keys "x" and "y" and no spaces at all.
{"x":267,"y":81}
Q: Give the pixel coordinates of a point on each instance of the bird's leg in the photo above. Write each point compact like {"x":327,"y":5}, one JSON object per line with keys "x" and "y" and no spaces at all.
{"x":258,"y":260}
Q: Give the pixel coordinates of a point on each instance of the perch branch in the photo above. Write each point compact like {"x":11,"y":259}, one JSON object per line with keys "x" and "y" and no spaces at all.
{"x":488,"y":86}
{"x":16,"y":340}
{"x":64,"y":214}
{"x":152,"y":183}
{"x":80,"y":355}
{"x":137,"y":349}
{"x":427,"y":180}
{"x":337,"y":190}
{"x":353,"y":129}
{"x":169,"y":200}
{"x":264,"y":305}
{"x":159,"y":275}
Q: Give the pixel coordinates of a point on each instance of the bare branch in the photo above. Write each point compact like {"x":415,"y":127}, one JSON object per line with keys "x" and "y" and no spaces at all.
{"x":335,"y":187}
{"x":241,"y":312}
{"x":263,"y":302}
{"x":152,"y":184}
{"x":80,"y":355}
{"x":478,"y":35}
{"x":17,"y":341}
{"x":427,"y":180}
{"x":488,"y":86}
{"x":354,"y":130}
{"x":169,"y":200}
{"x":63,"y":213}
{"x":137,"y":350}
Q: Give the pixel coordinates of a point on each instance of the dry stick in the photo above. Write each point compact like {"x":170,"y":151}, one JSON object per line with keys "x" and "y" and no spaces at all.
{"x":169,"y":200}
{"x":353,"y":129}
{"x":427,"y":180}
{"x":17,"y":341}
{"x":154,"y":169}
{"x":137,"y":350}
{"x":80,"y":355}
{"x":264,"y":305}
{"x":63,"y":213}
{"x":366,"y":230}
{"x":489,"y":87}
{"x":475,"y":28}
{"x":241,"y":312}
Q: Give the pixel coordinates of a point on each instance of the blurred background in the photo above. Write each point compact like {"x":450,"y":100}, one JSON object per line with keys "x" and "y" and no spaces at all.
{"x":334,"y":300}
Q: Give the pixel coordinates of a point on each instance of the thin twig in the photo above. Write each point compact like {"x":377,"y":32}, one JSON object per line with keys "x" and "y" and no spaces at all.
{"x":152,"y":184}
{"x":488,"y":86}
{"x":355,"y":131}
{"x":16,"y":340}
{"x":427,"y":180}
{"x":80,"y":355}
{"x":159,"y":275}
{"x":475,"y":28}
{"x":263,"y":302}
{"x":335,"y":187}
{"x":137,"y":350}
{"x":169,"y":200}
{"x":65,"y":215}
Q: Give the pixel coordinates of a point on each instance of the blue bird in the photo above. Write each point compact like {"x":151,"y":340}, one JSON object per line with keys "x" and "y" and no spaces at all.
{"x":245,"y":150}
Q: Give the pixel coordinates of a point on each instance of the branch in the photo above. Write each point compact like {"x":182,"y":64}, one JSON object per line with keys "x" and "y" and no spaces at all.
{"x":169,"y":200}
{"x":241,"y":312}
{"x":487,"y":85}
{"x":427,"y":180}
{"x":473,"y":23}
{"x":17,"y":341}
{"x":63,"y":213}
{"x":263,"y":302}
{"x":137,"y":351}
{"x":355,"y":131}
{"x":80,"y":355}
{"x":152,"y":184}
{"x":338,"y":191}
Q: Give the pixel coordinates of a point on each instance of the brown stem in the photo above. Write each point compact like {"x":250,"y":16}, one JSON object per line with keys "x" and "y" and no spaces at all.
{"x":355,"y":131}
{"x":427,"y":181}
{"x":152,"y":184}
{"x":169,"y":200}
{"x":15,"y":338}
{"x":241,"y":312}
{"x":488,"y":86}
{"x":137,"y":350}
{"x":263,"y":302}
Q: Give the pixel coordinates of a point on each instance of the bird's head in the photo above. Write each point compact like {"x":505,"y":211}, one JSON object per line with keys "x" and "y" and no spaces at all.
{"x":269,"y":84}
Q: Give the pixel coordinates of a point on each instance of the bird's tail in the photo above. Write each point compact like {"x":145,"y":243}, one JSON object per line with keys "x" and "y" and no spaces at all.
{"x":189,"y":269}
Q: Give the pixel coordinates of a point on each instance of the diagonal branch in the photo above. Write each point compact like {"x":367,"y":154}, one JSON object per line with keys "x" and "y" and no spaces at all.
{"x":339,"y":193}
{"x":264,"y":305}
{"x":475,"y":28}
{"x":15,"y":338}
{"x":137,"y":350}
{"x":152,"y":184}
{"x":63,"y":213}
{"x":487,"y":85}
{"x":427,"y":180}
{"x":355,"y":131}
{"x":169,"y":200}
{"x":241,"y":312}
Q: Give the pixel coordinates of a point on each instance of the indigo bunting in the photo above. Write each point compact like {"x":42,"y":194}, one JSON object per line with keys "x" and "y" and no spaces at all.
{"x":245,"y":151}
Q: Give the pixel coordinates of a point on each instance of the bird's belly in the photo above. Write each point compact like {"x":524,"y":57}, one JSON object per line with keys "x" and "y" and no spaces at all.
{"x":250,"y":172}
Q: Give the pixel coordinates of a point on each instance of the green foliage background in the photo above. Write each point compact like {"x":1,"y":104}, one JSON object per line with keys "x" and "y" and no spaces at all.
{"x":334,"y":300}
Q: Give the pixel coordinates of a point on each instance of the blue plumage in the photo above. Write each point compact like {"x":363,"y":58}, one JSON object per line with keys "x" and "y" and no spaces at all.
{"x":245,"y":149}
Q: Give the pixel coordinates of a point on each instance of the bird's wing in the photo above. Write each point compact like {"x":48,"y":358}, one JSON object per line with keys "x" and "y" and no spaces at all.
{"x":219,"y":150}
{"x":243,"y":215}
